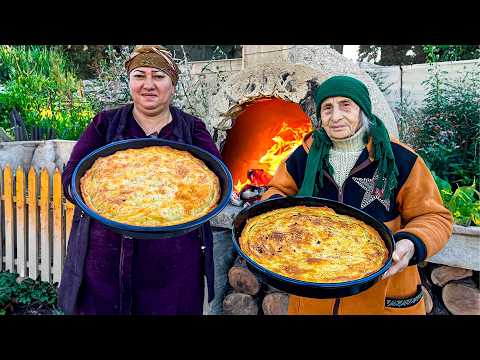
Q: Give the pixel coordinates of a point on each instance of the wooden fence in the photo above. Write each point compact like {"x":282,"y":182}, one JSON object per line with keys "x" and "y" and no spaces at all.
{"x":35,"y":223}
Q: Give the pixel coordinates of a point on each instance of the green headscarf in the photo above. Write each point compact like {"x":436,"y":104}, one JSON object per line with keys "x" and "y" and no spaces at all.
{"x":381,"y":148}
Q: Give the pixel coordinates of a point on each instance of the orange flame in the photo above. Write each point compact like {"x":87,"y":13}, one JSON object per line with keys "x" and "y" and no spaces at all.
{"x":287,"y":140}
{"x":240,"y":185}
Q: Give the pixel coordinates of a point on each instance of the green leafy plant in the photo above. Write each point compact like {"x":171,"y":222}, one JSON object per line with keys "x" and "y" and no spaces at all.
{"x":449,"y":140}
{"x":24,"y":60}
{"x":463,"y":203}
{"x":32,"y":296}
{"x":439,"y":53}
{"x":45,"y":92}
{"x":7,"y":289}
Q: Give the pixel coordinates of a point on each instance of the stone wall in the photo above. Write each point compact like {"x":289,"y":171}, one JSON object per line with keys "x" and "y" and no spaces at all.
{"x":287,"y":72}
{"x":49,"y":154}
{"x":462,"y":250}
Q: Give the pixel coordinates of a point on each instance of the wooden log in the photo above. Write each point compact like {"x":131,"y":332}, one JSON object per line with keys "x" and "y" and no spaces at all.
{"x":240,"y":304}
{"x":428,"y":300}
{"x":242,"y":279}
{"x":275,"y":304}
{"x":444,"y":274}
{"x":461,"y":299}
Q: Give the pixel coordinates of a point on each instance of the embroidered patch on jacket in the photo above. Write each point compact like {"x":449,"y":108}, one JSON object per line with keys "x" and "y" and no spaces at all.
{"x":403,"y":303}
{"x":371,"y":193}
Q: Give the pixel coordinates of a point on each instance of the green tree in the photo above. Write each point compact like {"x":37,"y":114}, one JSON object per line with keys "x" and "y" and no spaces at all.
{"x":416,"y":54}
{"x":439,"y":53}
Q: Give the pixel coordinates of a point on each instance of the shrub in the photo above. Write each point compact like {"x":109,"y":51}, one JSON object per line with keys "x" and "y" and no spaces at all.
{"x":192,"y":93}
{"x":446,"y":126}
{"x":85,"y":59}
{"x":409,"y":120}
{"x":449,"y":140}
{"x":439,"y":53}
{"x":23,"y":60}
{"x":110,"y":88}
{"x":463,"y":203}
{"x":27,"y":296}
{"x":42,"y":88}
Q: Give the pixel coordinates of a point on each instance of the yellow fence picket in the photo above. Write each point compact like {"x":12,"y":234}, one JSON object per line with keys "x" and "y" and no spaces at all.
{"x":32,"y":225}
{"x":58,"y":241}
{"x":44,"y":225}
{"x":9,"y":230}
{"x":31,"y":210}
{"x":69,"y":208}
{"x":21,"y":216}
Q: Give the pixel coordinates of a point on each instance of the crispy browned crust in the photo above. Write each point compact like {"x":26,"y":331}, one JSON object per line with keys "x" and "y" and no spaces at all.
{"x":313,"y":244}
{"x":151,"y":186}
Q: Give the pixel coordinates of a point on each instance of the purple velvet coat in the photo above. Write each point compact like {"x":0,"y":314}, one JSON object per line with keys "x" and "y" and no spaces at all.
{"x":106,"y":273}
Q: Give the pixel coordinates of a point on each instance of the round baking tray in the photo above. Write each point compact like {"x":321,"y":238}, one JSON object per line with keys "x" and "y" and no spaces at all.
{"x":153,"y":232}
{"x":305,"y":288}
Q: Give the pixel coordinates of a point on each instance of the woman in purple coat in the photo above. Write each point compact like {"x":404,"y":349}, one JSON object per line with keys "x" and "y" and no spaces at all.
{"x":107,"y":273}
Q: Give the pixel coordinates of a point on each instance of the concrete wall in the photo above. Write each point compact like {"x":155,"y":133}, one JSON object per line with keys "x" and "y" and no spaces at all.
{"x":406,"y":81}
{"x":284,"y":71}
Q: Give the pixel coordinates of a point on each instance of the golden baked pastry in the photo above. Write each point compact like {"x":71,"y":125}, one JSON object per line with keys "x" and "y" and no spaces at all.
{"x":313,"y":244}
{"x":151,"y":186}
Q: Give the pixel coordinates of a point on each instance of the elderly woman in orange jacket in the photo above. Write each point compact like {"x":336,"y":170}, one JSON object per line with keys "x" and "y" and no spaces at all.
{"x":351,"y":159}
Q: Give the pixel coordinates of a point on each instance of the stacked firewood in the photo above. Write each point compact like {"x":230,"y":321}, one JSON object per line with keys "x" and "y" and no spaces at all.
{"x":446,"y":289}
{"x":249,"y":295}
{"x":450,"y":290}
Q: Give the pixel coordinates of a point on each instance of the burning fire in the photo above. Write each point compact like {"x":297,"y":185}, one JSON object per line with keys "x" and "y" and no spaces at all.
{"x":287,"y":140}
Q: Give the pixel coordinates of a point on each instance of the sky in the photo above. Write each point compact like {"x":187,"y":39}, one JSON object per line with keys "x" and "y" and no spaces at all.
{"x":351,"y":52}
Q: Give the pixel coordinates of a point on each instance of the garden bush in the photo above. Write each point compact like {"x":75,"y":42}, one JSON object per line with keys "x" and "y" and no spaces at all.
{"x":463,"y":203}
{"x":449,"y":140}
{"x":40,"y":85}
{"x":27,"y":296}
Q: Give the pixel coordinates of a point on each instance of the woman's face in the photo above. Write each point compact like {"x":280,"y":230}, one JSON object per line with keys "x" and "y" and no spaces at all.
{"x":340,"y":117}
{"x":151,"y":89}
